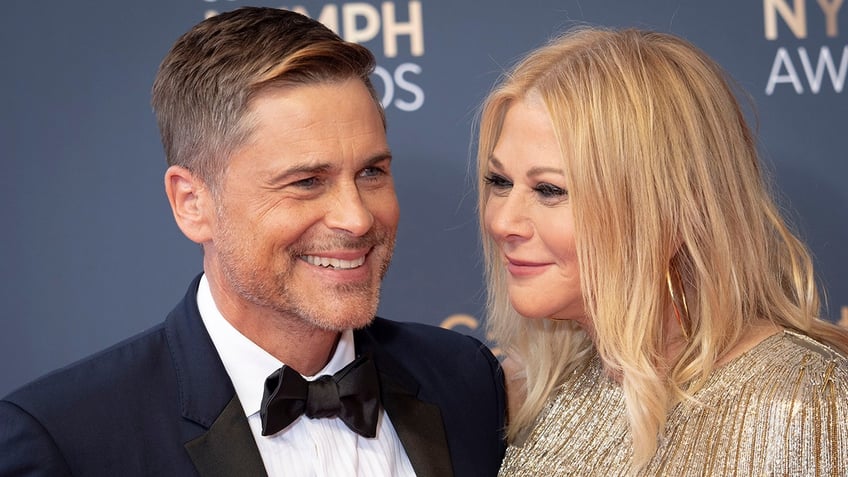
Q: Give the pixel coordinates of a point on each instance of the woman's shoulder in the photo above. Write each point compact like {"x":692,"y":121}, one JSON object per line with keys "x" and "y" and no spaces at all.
{"x":814,"y":349}
{"x":789,"y":366}
{"x":810,"y":357}
{"x":785,"y":399}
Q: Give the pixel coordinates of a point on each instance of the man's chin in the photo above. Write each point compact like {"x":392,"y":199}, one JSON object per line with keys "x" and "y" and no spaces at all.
{"x":341,"y":313}
{"x":351,"y":323}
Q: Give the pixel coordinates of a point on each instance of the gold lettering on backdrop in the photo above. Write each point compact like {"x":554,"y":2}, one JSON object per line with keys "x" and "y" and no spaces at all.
{"x":831,"y":9}
{"x":466,"y":321}
{"x":329,"y":16}
{"x":361,"y":22}
{"x":455,"y":321}
{"x":392,"y":28}
{"x":351,"y":12}
{"x":796,"y":19}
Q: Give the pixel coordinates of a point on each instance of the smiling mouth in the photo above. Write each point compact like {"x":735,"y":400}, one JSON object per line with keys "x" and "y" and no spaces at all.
{"x":334,"y":263}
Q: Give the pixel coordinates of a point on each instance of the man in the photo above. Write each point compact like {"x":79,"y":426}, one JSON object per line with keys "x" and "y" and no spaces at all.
{"x":280,"y":169}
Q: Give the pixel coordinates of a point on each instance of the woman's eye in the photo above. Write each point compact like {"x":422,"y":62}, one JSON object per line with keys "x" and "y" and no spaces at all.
{"x":550,"y":191}
{"x":497,"y":181}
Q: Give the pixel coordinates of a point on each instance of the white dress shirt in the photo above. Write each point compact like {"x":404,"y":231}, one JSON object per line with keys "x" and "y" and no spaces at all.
{"x":308,"y":447}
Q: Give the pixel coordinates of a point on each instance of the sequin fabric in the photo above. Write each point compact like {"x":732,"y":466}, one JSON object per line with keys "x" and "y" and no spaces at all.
{"x":780,"y":409}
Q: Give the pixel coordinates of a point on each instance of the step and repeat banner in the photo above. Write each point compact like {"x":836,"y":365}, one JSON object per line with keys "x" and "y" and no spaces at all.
{"x":90,"y":253}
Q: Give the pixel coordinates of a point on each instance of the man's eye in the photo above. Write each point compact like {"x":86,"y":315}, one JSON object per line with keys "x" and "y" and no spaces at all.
{"x":307,"y":183}
{"x":372,"y":172}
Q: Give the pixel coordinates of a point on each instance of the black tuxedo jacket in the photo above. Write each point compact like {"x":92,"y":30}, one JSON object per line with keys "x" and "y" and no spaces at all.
{"x":161,"y":404}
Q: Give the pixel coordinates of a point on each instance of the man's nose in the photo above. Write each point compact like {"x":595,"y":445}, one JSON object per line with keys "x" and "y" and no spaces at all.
{"x":348,"y":212}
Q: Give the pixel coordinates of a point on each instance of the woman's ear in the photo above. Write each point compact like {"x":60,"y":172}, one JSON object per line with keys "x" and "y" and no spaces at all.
{"x":191,"y":202}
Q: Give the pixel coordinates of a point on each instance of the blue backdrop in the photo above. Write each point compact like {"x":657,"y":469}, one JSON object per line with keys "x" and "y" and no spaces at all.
{"x":90,"y":253}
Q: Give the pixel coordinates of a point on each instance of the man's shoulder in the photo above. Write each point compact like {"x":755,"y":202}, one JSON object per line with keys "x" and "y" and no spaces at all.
{"x":96,"y":377}
{"x":126,"y":407}
{"x":135,"y":367}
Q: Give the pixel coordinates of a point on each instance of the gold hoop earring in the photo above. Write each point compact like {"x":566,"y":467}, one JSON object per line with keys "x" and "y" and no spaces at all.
{"x":674,"y":301}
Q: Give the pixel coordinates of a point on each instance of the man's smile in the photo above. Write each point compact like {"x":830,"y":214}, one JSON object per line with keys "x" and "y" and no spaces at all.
{"x":337,"y":263}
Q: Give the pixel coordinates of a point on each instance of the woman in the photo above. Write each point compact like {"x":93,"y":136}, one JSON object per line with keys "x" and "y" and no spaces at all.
{"x":659,"y":316}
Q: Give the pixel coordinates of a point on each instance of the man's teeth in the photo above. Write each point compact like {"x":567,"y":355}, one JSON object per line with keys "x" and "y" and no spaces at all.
{"x":334,"y":262}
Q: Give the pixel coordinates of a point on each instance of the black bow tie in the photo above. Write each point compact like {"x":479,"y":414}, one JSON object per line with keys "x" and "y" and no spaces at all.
{"x":352,"y":394}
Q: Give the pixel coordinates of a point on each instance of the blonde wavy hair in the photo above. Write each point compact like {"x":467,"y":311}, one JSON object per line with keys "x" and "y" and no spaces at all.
{"x":663,"y":175}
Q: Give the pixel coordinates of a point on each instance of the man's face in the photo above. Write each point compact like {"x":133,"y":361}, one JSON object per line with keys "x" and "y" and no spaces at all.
{"x":306,"y":212}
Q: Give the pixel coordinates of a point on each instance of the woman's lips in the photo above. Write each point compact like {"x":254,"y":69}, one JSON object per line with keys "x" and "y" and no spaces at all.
{"x":525,"y":268}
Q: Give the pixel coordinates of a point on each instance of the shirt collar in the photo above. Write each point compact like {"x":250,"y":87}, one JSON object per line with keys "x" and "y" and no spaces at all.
{"x":246,"y":363}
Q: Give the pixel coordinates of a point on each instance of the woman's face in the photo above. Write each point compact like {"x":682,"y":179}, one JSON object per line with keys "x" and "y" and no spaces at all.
{"x":528,"y":215}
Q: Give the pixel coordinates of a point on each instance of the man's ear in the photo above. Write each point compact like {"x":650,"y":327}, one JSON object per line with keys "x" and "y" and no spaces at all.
{"x":191,"y":202}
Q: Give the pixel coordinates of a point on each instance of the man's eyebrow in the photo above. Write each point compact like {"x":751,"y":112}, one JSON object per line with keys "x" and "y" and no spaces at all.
{"x":304,"y":168}
{"x":378,"y":157}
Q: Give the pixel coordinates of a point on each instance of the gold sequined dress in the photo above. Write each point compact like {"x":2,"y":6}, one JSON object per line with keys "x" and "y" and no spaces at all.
{"x":780,"y":409}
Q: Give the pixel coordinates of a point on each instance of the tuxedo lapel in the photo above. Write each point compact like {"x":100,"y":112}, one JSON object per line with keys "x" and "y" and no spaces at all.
{"x":419,"y":424}
{"x":227,"y":448}
{"x":207,"y":397}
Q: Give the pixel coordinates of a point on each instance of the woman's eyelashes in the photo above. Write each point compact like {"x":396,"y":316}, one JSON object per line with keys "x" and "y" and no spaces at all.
{"x":550,"y":191}
{"x":497,"y":181}
{"x":546,"y":192}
